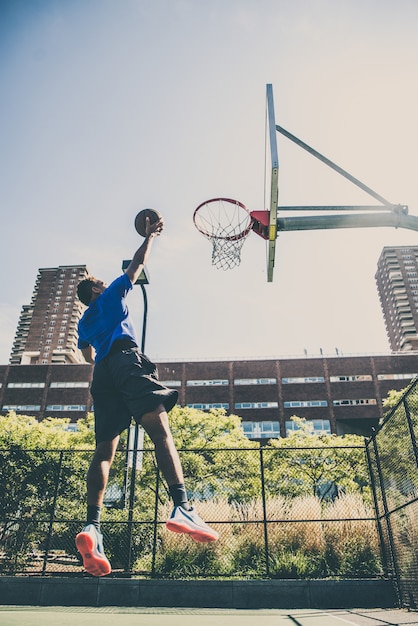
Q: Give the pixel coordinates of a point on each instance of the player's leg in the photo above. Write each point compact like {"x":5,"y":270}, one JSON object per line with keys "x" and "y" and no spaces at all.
{"x":149,"y":401}
{"x":98,"y":472}
{"x":157,"y":427}
{"x":89,"y":541}
{"x":184,"y":518}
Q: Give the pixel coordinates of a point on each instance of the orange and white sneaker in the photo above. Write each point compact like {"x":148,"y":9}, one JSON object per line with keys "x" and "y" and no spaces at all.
{"x":90,"y":545}
{"x":189,"y":522}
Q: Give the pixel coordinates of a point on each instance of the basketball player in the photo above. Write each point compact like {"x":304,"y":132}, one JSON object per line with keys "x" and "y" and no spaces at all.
{"x":125,"y":385}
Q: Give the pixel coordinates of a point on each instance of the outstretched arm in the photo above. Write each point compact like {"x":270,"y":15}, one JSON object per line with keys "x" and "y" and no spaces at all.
{"x":140,"y":257}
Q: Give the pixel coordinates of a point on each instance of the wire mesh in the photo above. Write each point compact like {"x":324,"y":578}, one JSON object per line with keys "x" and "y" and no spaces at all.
{"x":394,"y":471}
{"x":267,"y":529}
{"x":301,"y":512}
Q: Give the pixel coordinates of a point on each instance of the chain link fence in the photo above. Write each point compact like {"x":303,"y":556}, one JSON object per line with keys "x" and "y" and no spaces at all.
{"x":393,"y":460}
{"x":280,"y":513}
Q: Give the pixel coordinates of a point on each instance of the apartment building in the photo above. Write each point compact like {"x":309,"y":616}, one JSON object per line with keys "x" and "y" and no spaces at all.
{"x":397,"y":285}
{"x":47,"y":329}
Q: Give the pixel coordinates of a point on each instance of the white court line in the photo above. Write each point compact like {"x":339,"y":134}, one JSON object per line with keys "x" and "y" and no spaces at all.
{"x":347,"y":621}
{"x":317,"y":615}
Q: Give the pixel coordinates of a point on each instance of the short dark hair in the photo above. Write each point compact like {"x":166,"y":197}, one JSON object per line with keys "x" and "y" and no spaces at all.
{"x":84,"y":289}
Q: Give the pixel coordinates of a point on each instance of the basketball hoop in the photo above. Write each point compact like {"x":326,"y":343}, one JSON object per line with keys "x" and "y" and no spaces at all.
{"x":226,"y":223}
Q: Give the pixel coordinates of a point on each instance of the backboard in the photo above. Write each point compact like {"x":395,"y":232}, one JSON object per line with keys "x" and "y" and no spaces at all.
{"x":271,"y":185}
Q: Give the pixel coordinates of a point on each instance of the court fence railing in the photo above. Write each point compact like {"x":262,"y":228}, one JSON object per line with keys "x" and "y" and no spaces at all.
{"x":392,"y":455}
{"x":281,"y":512}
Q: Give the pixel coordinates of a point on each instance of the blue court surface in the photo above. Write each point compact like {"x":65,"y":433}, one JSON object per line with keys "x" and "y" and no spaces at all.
{"x":120,"y":616}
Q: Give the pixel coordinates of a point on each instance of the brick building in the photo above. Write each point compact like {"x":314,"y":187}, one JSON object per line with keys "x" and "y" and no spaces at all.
{"x":47,"y":328}
{"x":337,"y":394}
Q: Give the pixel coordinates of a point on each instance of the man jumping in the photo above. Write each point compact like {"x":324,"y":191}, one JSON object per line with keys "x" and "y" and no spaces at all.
{"x":125,"y":385}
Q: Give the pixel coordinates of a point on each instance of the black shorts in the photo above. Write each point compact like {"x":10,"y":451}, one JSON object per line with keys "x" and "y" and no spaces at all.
{"x":125,"y":385}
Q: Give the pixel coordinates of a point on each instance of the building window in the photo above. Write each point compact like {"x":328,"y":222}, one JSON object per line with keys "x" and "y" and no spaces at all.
{"x":71,"y":427}
{"x":207,"y":407}
{"x":396,"y":376}
{"x":21,"y":407}
{"x":256,"y":405}
{"x":69,"y":384}
{"x":261,"y":430}
{"x":349,"y":379}
{"x":171,"y":383}
{"x":25,"y":385}
{"x":351,"y":402}
{"x":66,"y":407}
{"x":305,"y":379}
{"x":304,"y":404}
{"x":204,"y":383}
{"x":316,"y":427}
{"x":255,"y":381}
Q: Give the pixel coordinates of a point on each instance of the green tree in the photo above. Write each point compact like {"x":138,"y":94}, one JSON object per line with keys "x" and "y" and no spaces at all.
{"x":307,"y":464}
{"x":218,"y":460}
{"x":39,"y":472}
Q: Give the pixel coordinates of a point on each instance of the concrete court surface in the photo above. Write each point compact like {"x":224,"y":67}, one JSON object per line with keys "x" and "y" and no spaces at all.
{"x":138,"y":616}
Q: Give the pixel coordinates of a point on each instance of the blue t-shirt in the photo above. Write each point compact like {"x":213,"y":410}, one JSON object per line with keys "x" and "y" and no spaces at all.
{"x":107,"y":319}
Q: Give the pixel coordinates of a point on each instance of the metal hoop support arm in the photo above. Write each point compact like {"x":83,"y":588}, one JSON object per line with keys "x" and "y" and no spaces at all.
{"x":317,"y":222}
{"x":333,"y":166}
{"x":395,"y":215}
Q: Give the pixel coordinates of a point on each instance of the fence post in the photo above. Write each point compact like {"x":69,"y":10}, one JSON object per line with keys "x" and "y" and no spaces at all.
{"x":154,"y":540}
{"x":263,"y":495}
{"x":132,"y":499}
{"x":388,"y":524}
{"x":376,"y":508}
{"x":52,"y":515}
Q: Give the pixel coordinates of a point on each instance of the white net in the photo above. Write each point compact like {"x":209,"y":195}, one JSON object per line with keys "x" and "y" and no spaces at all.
{"x":226,"y":223}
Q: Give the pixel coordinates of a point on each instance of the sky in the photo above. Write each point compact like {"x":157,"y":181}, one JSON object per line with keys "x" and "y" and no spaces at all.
{"x":111,"y":106}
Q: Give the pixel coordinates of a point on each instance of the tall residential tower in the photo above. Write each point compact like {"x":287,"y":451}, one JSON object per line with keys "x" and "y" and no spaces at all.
{"x":47,"y":329}
{"x":397,"y":285}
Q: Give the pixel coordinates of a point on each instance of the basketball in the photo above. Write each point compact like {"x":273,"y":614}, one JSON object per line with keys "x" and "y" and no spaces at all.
{"x":140,"y":220}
